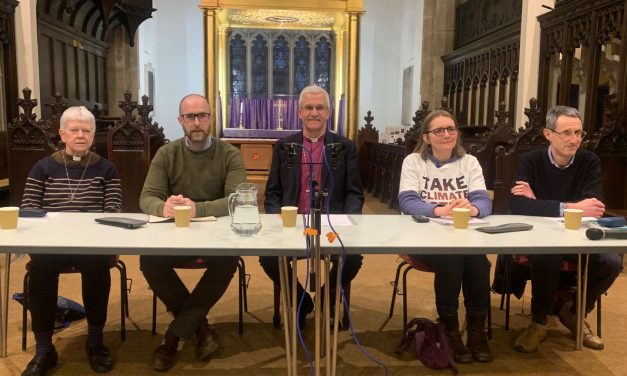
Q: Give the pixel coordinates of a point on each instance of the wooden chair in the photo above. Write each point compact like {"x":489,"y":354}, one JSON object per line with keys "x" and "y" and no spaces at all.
{"x":242,"y":284}
{"x":114,"y":262}
{"x":408,"y":264}
{"x":524,"y":261}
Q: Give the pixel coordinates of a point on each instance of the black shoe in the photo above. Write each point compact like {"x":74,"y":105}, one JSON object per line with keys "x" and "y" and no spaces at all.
{"x":206,"y":341}
{"x":164,"y":356}
{"x":40,"y":364}
{"x":99,"y":357}
{"x":305,"y":309}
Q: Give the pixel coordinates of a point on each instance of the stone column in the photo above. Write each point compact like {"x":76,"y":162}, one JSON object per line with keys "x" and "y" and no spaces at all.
{"x":339,"y":71}
{"x":438,"y":32}
{"x":122,"y":70}
{"x":211,"y":62}
{"x":353,"y":21}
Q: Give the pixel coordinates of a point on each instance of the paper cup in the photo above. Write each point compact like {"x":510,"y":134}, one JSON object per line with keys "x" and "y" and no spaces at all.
{"x":572,"y":218}
{"x":288,"y":216}
{"x":460,"y":218}
{"x":8,"y":217}
{"x":182,"y":215}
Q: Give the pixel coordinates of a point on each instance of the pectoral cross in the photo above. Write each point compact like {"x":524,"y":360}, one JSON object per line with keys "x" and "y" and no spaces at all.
{"x":280,"y":105}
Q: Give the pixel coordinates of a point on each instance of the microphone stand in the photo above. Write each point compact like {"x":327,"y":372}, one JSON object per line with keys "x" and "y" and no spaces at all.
{"x":321,"y":308}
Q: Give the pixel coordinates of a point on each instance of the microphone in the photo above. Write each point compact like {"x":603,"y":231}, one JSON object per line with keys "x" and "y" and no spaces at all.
{"x":290,"y":146}
{"x":291,"y":152}
{"x":599,"y":233}
{"x":335,"y":148}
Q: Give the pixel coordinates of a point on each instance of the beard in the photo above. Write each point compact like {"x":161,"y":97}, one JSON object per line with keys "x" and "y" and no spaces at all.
{"x":197,"y":136}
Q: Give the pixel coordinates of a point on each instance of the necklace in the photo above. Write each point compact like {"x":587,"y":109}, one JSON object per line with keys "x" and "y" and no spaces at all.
{"x":72,"y":193}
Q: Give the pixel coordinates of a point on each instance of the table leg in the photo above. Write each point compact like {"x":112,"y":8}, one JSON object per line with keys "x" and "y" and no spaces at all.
{"x":294,"y":328}
{"x":317,"y":306}
{"x":582,"y":305}
{"x":579,"y":287}
{"x":327,"y":315}
{"x":4,"y":305}
{"x":285,"y":307}
{"x":336,"y":320}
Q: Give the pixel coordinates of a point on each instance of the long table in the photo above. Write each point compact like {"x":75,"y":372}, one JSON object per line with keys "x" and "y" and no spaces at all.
{"x":77,"y":233}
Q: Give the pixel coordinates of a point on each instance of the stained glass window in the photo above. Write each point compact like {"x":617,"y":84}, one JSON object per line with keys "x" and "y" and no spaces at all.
{"x":280,"y":66}
{"x":238,"y":65}
{"x":323,"y":63}
{"x":259,"y":52}
{"x":302,"y":53}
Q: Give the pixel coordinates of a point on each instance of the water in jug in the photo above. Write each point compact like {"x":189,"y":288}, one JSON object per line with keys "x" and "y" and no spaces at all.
{"x":243,"y":209}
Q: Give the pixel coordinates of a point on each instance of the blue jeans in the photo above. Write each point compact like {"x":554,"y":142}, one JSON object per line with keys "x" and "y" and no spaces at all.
{"x":468,"y":273}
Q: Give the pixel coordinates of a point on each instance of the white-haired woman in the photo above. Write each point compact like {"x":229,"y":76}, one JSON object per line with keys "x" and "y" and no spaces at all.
{"x":71,"y":179}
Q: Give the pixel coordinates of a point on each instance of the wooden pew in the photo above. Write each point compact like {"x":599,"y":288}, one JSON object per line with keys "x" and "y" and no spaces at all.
{"x":28,"y":141}
{"x":610,"y":143}
{"x":130,"y":151}
{"x":507,"y":156}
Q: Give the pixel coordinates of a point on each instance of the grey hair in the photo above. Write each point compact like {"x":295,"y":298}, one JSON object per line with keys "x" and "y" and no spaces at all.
{"x":556,"y":112}
{"x":314,"y":89}
{"x":78,"y":113}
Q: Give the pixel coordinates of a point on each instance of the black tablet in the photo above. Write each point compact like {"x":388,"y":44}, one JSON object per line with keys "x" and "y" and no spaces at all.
{"x":508,"y":227}
{"x":32,"y":212}
{"x":121,"y":222}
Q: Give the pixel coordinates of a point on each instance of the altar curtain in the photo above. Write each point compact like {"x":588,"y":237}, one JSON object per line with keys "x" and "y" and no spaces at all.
{"x":260,"y":113}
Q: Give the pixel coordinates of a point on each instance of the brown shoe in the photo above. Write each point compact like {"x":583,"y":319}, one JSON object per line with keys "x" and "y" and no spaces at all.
{"x":164,"y":356}
{"x":529,"y":340}
{"x":206,"y":341}
{"x":461,"y":353}
{"x":569,"y":320}
{"x":477,"y":338}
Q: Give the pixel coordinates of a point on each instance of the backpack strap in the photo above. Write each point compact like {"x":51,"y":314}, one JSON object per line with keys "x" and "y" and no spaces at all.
{"x":408,"y":336}
{"x":445,"y":344}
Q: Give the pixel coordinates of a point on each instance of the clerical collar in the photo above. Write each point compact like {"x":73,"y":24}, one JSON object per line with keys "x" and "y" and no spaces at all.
{"x":555,"y":163}
{"x":206,"y":146}
{"x":314,"y":140}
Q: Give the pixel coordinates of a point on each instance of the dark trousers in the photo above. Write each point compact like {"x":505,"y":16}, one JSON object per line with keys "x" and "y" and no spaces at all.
{"x":352,"y":264}
{"x":43,"y":287}
{"x":189,"y":309}
{"x":468,"y":273}
{"x":545,"y":275}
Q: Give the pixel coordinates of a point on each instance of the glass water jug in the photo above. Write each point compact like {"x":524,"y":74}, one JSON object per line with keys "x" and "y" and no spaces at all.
{"x":243,"y":209}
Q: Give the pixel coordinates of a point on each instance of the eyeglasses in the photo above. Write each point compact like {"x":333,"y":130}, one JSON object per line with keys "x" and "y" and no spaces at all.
{"x":440,"y":131}
{"x":568,"y":134}
{"x":202,"y":117}
{"x":310,"y":108}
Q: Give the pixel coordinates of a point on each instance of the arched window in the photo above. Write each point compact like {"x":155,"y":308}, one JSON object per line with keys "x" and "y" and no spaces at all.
{"x":266,"y":62}
{"x":302,"y":54}
{"x":323,"y":63}
{"x":259,"y":52}
{"x":238,"y":65}
{"x":280,"y":66}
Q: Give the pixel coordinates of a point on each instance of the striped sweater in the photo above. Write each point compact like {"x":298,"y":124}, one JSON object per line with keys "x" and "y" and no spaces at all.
{"x":53,"y":187}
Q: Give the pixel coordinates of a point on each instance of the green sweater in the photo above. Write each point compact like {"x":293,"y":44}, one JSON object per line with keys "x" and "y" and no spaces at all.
{"x":206,"y":177}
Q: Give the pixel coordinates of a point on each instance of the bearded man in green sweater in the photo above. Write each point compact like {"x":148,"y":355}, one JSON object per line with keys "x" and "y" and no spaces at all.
{"x":199,"y":171}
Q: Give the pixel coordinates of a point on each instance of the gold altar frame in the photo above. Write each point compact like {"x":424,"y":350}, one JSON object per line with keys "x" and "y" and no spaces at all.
{"x":347,"y":38}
